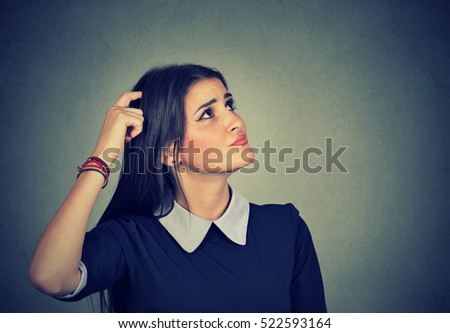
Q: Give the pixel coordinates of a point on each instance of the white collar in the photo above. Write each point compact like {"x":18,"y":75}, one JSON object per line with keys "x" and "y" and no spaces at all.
{"x":189,"y":230}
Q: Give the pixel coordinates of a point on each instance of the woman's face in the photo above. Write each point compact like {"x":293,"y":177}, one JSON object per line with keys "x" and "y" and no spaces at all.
{"x":212,"y":128}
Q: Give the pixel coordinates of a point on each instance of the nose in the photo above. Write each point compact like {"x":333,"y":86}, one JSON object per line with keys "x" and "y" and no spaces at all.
{"x":235,"y":122}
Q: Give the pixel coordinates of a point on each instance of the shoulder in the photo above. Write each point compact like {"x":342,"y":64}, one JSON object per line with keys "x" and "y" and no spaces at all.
{"x":285,"y":216}
{"x":273,"y":210}
{"x":124,"y":226}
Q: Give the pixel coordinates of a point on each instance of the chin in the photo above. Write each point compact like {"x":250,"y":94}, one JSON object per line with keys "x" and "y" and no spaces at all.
{"x":236,"y":162}
{"x":225,"y":169}
{"x":241,"y":163}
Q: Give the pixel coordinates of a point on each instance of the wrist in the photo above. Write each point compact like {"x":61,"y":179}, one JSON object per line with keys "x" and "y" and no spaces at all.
{"x":96,"y":164}
{"x":105,"y":156}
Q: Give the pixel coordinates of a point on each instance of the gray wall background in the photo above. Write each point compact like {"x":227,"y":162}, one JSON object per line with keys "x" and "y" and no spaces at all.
{"x":373,"y":75}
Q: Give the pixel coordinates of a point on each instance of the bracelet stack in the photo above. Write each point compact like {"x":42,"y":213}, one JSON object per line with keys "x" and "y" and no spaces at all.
{"x":96,"y":164}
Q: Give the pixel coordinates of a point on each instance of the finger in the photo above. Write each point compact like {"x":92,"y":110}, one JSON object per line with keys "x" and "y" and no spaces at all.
{"x":128,"y":96}
{"x":134,"y":111}
{"x":133,"y":125}
{"x":135,"y":131}
{"x":131,"y":116}
{"x":132,"y":132}
{"x":133,"y":120}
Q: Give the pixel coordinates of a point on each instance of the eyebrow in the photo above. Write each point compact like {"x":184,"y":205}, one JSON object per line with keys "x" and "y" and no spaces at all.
{"x":211,"y":102}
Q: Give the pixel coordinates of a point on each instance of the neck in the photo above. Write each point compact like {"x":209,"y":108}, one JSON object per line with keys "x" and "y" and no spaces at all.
{"x":208,"y":195}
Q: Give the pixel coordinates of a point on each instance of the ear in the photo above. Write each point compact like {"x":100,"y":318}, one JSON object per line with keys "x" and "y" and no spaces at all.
{"x":167,"y":155}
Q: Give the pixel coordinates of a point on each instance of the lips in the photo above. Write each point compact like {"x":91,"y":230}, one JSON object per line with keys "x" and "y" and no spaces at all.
{"x":240,"y":141}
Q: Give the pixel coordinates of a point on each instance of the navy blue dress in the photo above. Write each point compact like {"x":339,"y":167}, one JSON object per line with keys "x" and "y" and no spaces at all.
{"x":276,"y":271}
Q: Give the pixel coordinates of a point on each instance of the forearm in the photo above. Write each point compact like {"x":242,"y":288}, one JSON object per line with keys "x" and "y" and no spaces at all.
{"x":54,"y":267}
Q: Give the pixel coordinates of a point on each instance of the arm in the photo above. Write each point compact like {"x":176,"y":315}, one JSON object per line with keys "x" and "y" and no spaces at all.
{"x":307,"y":291}
{"x":54,"y":266}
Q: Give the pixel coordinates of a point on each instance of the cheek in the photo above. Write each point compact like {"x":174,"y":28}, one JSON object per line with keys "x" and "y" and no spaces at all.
{"x":206,"y":138}
{"x":202,"y":146}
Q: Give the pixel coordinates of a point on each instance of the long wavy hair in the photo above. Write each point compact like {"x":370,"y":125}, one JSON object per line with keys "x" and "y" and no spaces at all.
{"x":146,"y":186}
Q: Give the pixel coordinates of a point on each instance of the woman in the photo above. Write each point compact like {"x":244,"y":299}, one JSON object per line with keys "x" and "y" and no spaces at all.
{"x":175,"y":236}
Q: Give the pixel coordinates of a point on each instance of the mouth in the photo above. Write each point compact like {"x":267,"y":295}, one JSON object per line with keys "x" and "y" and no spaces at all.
{"x":240,"y":141}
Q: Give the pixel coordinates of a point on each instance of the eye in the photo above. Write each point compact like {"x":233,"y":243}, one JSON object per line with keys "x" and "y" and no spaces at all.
{"x":208,"y":112}
{"x":231,"y":104}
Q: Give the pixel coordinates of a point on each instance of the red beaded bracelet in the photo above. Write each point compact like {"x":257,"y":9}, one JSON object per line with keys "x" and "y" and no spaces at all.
{"x":96,"y":164}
